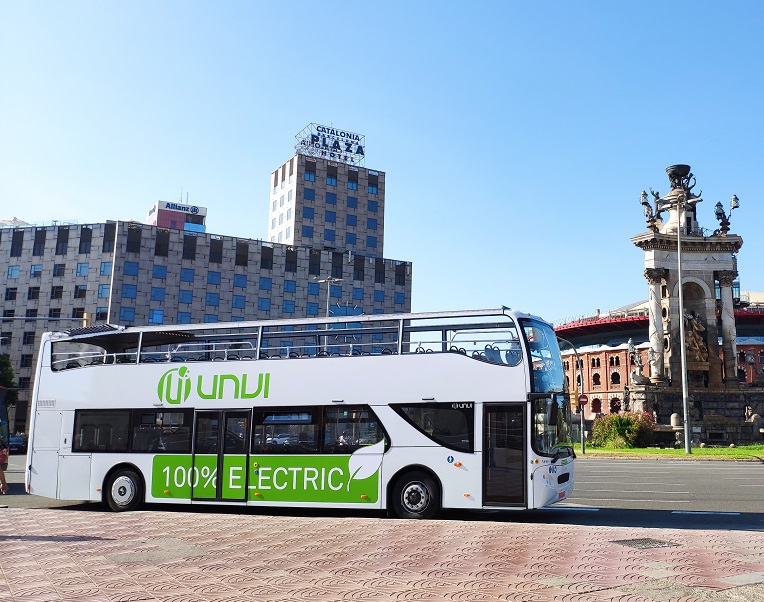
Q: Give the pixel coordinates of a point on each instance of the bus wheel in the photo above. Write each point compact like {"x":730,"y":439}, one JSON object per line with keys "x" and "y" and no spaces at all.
{"x":124,"y":490}
{"x":416,"y":495}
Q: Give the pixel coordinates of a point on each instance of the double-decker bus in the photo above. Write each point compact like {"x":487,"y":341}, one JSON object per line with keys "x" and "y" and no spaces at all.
{"x":408,"y":413}
{"x":5,"y":446}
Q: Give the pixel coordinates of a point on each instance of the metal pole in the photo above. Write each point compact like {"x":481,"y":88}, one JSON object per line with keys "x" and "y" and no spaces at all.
{"x":580,"y":365}
{"x":683,"y":351}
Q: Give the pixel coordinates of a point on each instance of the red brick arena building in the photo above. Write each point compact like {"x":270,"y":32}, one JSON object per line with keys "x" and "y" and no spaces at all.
{"x":602,"y":343}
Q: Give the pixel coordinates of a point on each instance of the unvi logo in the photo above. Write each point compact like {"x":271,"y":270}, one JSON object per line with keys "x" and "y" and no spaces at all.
{"x":175,"y":385}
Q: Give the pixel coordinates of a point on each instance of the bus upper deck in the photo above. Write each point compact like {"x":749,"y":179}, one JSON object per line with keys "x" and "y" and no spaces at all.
{"x":491,"y":336}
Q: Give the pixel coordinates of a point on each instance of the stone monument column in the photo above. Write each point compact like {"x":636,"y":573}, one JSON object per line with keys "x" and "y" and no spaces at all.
{"x":655,"y":277}
{"x":729,"y":332}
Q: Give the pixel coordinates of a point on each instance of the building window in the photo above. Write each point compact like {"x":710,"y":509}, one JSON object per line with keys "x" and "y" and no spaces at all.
{"x":307,"y":212}
{"x":379,"y":271}
{"x":26,"y":360}
{"x":379,"y":296}
{"x":101,"y":314}
{"x":313,"y":288}
{"x":131,"y":268}
{"x":331,"y":181}
{"x":162,"y":243}
{"x":373,"y":189}
{"x":126,"y":314}
{"x":159,"y":272}
{"x":38,"y":249}
{"x":290,"y":286}
{"x":9,"y":313}
{"x":330,"y":217}
{"x":358,"y":294}
{"x":133,"y":239}
{"x":59,"y":269}
{"x":213,"y":277}
{"x":307,"y":231}
{"x":189,"y":246}
{"x":309,"y":194}
{"x":28,"y":338}
{"x":266,"y":258}
{"x":31,"y":313}
{"x":400,"y":298}
{"x":10,"y":294}
{"x":240,"y":280}
{"x":129,"y":291}
{"x":615,"y":378}
{"x":156,"y":316}
{"x":290,"y":263}
{"x":331,"y":198}
{"x":242,"y":254}
{"x":373,"y":206}
{"x":350,"y":238}
{"x":82,"y":269}
{"x":288,"y":306}
{"x":352,"y":202}
{"x":371,"y":223}
{"x":265,"y":283}
{"x":239,"y":301}
{"x":263,"y":304}
{"x":33,"y":293}
{"x":351,"y":220}
{"x":312,"y":308}
{"x":17,"y":243}
{"x":596,"y":380}
{"x":210,"y":318}
{"x":187,"y":274}
{"x":86,"y":238}
{"x":185,"y":296}
{"x":310,"y":176}
{"x":400,"y":274}
{"x":13,"y":272}
{"x":157,"y":293}
{"x":62,"y":241}
{"x":109,"y":237}
{"x":103,"y":291}
{"x":57,"y":292}
{"x":184,"y":317}
{"x":35,"y":271}
{"x":80,"y":291}
{"x":213,"y":299}
{"x":329,"y":235}
{"x":336,"y":291}
{"x":352,"y":184}
{"x":105,"y":268}
{"x":371,"y":242}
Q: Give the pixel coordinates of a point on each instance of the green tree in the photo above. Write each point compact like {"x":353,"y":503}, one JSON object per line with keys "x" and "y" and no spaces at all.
{"x":8,"y":378}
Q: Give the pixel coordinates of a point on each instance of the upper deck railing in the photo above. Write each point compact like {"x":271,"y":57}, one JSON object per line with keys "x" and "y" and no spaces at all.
{"x":486,"y":335}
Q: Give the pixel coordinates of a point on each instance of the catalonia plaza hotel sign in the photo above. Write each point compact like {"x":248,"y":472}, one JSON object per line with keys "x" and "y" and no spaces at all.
{"x":328,"y":142}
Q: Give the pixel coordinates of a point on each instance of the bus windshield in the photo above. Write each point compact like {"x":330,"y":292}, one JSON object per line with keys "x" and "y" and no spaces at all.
{"x":551,"y":407}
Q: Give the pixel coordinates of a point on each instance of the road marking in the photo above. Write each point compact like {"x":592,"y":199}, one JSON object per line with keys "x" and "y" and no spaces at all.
{"x":702,"y":512}
{"x":635,"y":491}
{"x":616,"y":499}
{"x":579,"y":508}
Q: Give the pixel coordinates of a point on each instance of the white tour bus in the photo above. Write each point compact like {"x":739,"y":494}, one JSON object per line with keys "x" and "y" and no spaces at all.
{"x":405,"y":412}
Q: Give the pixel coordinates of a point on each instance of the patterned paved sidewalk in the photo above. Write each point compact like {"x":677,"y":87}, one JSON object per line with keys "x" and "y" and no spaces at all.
{"x":90,"y":555}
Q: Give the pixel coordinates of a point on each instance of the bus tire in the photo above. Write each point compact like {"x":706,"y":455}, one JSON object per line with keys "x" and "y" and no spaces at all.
{"x":124,"y":490}
{"x":415,"y":495}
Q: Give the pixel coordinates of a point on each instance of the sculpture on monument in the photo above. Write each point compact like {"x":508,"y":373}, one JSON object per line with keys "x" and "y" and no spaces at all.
{"x":637,"y":378}
{"x":697,"y":351}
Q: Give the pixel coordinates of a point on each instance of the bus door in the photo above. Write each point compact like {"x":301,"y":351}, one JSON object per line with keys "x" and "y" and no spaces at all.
{"x":221,"y":442}
{"x":504,"y":443}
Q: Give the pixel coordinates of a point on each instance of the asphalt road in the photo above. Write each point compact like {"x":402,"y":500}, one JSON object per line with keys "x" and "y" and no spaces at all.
{"x":660,"y":493}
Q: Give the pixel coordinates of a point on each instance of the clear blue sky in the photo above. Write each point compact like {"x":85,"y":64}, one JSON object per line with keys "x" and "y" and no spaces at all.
{"x":516,"y":137}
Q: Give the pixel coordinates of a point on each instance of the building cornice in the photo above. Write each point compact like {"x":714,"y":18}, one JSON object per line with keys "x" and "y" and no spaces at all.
{"x":652,"y":241}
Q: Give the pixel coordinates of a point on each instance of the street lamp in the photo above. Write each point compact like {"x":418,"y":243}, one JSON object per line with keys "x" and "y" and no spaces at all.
{"x":329,"y":280}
